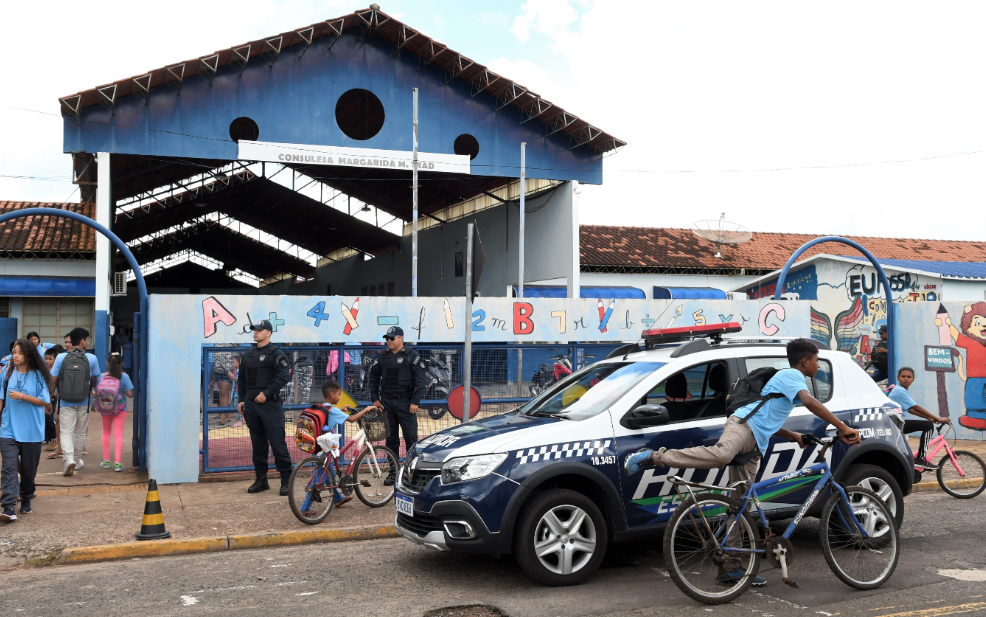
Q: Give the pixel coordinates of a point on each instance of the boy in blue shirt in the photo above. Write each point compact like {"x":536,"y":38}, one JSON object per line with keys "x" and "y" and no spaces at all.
{"x":335,"y":418}
{"x":900,"y":395}
{"x":745,"y":431}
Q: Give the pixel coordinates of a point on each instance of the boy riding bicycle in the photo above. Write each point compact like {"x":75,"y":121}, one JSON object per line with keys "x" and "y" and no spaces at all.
{"x":751,"y":427}
{"x":332,"y":394}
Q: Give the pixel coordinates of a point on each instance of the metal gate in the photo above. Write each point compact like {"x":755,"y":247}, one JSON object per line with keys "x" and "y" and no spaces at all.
{"x":504,"y":375}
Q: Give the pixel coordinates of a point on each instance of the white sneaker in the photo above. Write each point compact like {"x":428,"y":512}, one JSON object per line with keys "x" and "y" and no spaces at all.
{"x":79,"y":464}
{"x":69,"y":469}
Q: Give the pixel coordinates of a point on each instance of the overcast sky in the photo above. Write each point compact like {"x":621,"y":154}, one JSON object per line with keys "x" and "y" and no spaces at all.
{"x":834,"y":117}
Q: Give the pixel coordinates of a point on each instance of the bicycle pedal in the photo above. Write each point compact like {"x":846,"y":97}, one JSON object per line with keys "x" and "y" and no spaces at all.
{"x":365,"y":483}
{"x":790,"y":583}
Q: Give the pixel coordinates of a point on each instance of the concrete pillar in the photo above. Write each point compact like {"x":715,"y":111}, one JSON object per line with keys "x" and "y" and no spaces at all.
{"x":104,"y":267}
{"x":572,"y":275}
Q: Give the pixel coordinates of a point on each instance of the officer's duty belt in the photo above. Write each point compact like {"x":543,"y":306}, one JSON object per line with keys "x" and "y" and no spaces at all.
{"x":395,"y":397}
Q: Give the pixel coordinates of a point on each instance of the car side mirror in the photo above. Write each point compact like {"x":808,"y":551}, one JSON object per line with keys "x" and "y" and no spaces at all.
{"x":645,"y":416}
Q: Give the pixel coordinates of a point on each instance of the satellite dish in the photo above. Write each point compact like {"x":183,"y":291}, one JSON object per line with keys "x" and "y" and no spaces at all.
{"x":721,"y":232}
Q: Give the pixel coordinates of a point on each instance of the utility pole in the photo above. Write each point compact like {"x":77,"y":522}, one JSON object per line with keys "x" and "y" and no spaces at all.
{"x":414,"y":193}
{"x":467,"y":349}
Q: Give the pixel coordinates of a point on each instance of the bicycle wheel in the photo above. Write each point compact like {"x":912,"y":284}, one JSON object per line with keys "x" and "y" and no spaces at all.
{"x":863,"y":563}
{"x":695,"y":565}
{"x":370,"y":473}
{"x":967,"y":484}
{"x":310,"y":490}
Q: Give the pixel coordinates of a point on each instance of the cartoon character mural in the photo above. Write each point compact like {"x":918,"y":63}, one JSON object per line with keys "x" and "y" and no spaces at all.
{"x":971,"y":336}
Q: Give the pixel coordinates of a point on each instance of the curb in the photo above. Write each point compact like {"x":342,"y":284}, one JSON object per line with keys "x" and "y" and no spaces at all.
{"x":922,"y":487}
{"x":163,"y":548}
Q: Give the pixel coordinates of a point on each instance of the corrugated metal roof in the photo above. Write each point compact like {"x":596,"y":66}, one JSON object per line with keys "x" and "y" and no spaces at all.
{"x":950,"y":269}
{"x":47,"y":234}
{"x":367,"y":21}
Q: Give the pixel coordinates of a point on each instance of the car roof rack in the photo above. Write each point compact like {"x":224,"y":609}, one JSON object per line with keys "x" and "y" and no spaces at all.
{"x":770,"y":340}
{"x":714,"y":331}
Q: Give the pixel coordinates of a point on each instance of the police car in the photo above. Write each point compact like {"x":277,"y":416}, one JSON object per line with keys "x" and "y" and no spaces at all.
{"x":544,"y":481}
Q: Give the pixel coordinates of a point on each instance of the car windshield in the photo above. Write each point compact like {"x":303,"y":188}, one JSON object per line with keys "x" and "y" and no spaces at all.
{"x":590,"y":391}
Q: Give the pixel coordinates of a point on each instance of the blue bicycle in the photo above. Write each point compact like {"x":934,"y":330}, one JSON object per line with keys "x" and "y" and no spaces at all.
{"x":713,"y":546}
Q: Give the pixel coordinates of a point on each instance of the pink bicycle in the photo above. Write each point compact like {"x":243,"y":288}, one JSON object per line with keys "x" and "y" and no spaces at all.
{"x":960,"y":473}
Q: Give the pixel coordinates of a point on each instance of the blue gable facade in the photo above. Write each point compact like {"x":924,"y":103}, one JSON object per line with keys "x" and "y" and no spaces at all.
{"x":293,"y":101}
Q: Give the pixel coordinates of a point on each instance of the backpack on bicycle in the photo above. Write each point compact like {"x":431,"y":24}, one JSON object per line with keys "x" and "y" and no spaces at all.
{"x":309,"y":428}
{"x":748,"y":390}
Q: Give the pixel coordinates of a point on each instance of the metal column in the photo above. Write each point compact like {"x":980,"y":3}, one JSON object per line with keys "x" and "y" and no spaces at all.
{"x":104,"y":267}
{"x":467,"y":351}
{"x":523,"y":190}
{"x":414,"y":193}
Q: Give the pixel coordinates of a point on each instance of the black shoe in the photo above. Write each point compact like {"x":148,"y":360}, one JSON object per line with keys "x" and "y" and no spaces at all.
{"x":8,"y":515}
{"x":284,"y":488}
{"x":260,"y":484}
{"x":25,"y":506}
{"x":391,"y":478}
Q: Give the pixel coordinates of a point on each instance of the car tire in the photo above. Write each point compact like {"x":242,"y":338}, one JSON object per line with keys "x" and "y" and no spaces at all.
{"x":881,"y":482}
{"x":566,"y":519}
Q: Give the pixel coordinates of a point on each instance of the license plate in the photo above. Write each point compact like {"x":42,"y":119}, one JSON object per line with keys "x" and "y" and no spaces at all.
{"x":405,"y":504}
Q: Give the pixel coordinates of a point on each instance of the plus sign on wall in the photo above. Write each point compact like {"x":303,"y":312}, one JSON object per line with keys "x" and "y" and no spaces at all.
{"x":274,"y":321}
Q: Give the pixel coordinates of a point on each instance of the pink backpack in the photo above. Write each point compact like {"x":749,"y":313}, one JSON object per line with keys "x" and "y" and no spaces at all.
{"x":109,"y":396}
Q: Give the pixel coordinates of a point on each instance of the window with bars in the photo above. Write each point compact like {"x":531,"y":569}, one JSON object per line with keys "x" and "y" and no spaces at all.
{"x":53,"y":318}
{"x":4,"y":307}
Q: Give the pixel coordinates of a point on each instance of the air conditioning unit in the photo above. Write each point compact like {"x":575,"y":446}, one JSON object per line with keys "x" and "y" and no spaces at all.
{"x":119,"y":283}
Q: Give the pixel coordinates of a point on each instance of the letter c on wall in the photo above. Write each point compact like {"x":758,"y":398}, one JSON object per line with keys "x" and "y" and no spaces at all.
{"x":771,"y":329}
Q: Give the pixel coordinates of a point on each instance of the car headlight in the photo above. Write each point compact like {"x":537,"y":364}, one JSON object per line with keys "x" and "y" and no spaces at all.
{"x":470,"y":467}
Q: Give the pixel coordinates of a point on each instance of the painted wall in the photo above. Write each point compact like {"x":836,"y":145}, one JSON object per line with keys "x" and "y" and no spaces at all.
{"x":293,"y":101}
{"x":184,"y":323}
{"x":550,"y":248}
{"x":945,"y":344}
{"x":647,"y":282}
{"x":847,"y":301}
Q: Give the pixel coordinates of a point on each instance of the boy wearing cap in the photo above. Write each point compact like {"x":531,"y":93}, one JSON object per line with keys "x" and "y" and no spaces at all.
{"x":397,"y":383}
{"x":263,"y":372}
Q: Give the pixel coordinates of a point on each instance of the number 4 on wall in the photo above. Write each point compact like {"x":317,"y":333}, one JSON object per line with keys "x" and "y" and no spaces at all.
{"x":318,"y":313}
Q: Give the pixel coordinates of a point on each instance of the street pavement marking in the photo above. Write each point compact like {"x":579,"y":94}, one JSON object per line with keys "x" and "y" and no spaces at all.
{"x":954,"y":609}
{"x":189,"y":600}
{"x":306,"y":593}
{"x":965,"y":575}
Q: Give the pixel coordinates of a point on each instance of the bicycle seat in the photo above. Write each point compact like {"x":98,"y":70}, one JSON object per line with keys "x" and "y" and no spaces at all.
{"x":743,"y":459}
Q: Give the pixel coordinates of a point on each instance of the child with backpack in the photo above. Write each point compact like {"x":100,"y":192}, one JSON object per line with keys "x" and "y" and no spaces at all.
{"x":111,"y":391}
{"x":328,"y":418}
{"x":752,"y":425}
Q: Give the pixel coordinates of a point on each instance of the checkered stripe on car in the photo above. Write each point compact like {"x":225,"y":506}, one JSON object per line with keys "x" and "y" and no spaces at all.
{"x":567,"y":450}
{"x":867,"y":415}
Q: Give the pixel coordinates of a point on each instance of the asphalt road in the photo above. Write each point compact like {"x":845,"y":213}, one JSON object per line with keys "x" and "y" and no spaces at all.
{"x":942,"y":572}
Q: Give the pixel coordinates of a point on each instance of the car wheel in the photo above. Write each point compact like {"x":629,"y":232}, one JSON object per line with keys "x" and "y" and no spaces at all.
{"x":881,"y":482}
{"x":561,"y":538}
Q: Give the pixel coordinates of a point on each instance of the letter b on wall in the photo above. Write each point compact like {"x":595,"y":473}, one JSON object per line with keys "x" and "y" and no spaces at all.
{"x":522,"y":318}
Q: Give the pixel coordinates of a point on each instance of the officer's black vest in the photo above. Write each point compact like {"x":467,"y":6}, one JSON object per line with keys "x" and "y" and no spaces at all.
{"x":259,"y":366}
{"x":395,"y":372}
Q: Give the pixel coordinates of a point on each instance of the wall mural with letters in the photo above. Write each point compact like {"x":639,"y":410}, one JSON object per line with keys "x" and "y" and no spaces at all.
{"x":945,"y":344}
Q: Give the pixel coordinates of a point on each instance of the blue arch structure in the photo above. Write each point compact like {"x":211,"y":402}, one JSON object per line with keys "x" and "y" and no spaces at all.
{"x":891,"y":361}
{"x":140,"y":453}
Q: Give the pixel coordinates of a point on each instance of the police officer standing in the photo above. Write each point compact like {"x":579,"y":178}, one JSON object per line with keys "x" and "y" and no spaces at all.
{"x":263,"y":372}
{"x":397,"y":383}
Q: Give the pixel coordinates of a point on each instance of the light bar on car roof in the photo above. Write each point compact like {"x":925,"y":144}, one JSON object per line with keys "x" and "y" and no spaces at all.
{"x":676,"y":334}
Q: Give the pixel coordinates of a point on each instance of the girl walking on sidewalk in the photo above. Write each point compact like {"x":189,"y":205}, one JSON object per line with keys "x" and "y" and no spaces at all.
{"x":23,"y":395}
{"x":110,"y":401}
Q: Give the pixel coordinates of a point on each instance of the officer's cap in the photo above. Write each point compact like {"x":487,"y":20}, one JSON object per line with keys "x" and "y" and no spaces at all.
{"x":262,"y":325}
{"x":883,"y":328}
{"x":394,"y":331}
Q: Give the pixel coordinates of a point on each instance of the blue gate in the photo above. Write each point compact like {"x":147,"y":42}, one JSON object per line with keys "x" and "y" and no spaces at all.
{"x":504,"y":375}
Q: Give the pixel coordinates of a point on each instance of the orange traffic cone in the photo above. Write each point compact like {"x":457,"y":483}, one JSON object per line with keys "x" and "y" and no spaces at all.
{"x":152,"y":527}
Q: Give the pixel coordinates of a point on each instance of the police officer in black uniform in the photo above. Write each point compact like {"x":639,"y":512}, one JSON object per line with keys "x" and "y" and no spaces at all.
{"x":263,"y":372}
{"x":397,"y":383}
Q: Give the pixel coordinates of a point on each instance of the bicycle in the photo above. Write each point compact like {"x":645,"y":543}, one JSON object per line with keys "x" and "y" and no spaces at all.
{"x":312,"y":486}
{"x":960,"y":473}
{"x":712,"y":531}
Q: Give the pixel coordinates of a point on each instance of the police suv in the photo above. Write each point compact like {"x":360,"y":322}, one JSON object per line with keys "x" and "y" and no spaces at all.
{"x":544,"y":481}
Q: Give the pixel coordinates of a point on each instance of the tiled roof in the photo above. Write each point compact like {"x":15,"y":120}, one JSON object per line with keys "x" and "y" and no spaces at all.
{"x":658,"y":247}
{"x":46,"y":234}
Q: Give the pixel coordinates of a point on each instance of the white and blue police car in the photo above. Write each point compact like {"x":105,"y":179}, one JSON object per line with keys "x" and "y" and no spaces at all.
{"x":543,"y":482}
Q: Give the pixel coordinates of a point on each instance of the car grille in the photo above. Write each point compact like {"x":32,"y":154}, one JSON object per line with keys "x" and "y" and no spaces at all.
{"x":421,"y":477}
{"x":420,"y":524}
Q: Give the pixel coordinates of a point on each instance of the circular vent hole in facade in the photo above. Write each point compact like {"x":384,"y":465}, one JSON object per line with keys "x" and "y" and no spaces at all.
{"x":466,"y":144}
{"x":359,"y":113}
{"x":244,"y":128}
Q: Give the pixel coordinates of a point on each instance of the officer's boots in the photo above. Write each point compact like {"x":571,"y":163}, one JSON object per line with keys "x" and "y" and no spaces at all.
{"x":391,"y":477}
{"x":260,"y":484}
{"x":285,"y":480}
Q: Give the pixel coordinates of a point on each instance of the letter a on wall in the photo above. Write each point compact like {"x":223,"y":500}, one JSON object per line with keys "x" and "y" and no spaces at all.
{"x":212,"y":313}
{"x":522,"y":318}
